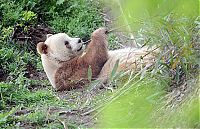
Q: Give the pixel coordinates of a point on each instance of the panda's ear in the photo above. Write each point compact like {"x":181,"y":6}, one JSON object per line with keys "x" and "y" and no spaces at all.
{"x":48,"y":35}
{"x":42,"y":48}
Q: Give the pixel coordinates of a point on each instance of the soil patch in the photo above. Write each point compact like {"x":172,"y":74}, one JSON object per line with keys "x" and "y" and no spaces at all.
{"x":3,"y":74}
{"x":31,"y":35}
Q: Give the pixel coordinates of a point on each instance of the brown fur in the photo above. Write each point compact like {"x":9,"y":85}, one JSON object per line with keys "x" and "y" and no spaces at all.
{"x":74,"y":73}
{"x":42,"y":48}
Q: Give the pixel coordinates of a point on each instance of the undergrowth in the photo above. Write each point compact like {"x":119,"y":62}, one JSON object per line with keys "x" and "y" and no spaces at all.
{"x":145,"y":98}
{"x":25,"y":93}
{"x":166,"y":95}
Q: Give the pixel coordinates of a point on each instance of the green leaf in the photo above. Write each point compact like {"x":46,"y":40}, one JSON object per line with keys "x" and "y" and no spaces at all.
{"x":59,"y":2}
{"x":114,"y":70}
{"x":4,"y":116}
{"x":90,"y":73}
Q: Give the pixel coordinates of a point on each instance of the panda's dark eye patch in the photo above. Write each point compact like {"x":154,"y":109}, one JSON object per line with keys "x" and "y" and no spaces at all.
{"x":67,"y":44}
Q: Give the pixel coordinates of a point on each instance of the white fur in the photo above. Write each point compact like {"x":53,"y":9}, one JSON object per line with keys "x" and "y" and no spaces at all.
{"x":128,"y":58}
{"x":58,"y":50}
{"x":50,"y":68}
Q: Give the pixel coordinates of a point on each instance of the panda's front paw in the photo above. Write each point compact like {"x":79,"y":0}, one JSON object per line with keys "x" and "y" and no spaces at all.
{"x":100,"y":32}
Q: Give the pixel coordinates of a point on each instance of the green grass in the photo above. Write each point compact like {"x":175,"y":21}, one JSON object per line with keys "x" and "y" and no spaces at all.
{"x":19,"y":91}
{"x":133,"y":108}
{"x":144,"y":102}
{"x":136,"y":100}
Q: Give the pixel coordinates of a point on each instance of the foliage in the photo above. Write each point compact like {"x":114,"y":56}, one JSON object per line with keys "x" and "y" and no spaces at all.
{"x":71,"y":16}
{"x":175,"y":30}
{"x":143,"y":104}
{"x":135,"y":106}
{"x":20,"y":86}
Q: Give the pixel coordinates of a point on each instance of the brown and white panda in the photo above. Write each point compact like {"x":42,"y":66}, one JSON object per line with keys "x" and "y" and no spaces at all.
{"x":66,"y":63}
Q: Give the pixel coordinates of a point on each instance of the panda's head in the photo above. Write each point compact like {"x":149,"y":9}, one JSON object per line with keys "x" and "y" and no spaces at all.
{"x":61,"y":47}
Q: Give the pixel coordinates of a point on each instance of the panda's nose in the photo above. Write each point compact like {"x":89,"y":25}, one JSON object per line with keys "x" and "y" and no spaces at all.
{"x":79,"y":41}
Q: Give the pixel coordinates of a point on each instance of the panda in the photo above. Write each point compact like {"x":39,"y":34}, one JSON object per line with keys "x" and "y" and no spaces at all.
{"x":66,"y":60}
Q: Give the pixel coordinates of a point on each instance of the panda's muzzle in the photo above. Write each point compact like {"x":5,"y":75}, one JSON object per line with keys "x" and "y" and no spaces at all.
{"x":80,"y":48}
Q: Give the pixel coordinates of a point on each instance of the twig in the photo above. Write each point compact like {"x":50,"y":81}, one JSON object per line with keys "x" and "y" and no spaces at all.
{"x":121,"y":44}
{"x":23,"y":37}
{"x":114,"y":29}
{"x":106,"y":19}
{"x":13,"y":34}
{"x":104,"y":14}
{"x":63,"y":123}
{"x":92,"y":110}
{"x":71,"y":112}
{"x":146,"y":43}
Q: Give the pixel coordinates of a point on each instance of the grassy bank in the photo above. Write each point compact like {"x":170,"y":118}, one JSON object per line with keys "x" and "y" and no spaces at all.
{"x":165,"y":95}
{"x":26,"y":97}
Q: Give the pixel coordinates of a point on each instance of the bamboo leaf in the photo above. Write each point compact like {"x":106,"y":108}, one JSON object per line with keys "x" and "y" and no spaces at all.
{"x":90,"y":73}
{"x":114,"y":70}
{"x":143,"y":73}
